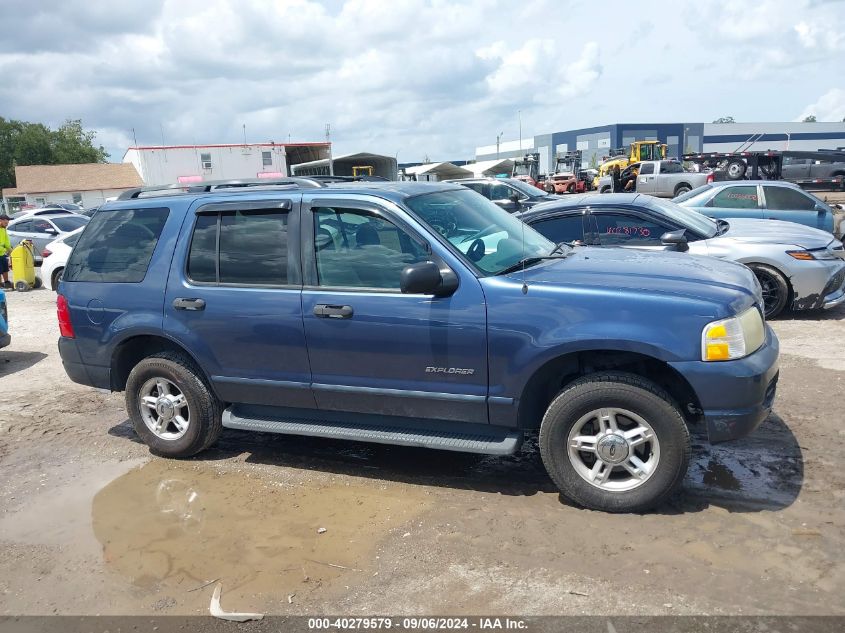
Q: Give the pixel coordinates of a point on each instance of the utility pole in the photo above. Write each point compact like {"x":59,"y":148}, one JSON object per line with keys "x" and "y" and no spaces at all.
{"x":244,"y":126}
{"x":519,"y":114}
{"x":329,"y":142}
{"x":498,"y":140}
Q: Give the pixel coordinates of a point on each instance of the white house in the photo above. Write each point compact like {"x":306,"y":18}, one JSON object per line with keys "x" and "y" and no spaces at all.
{"x":168,"y":164}
{"x":89,"y":184}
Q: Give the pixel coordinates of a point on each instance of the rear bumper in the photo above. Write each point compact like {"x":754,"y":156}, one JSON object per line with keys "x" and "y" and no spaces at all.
{"x":77,"y":371}
{"x":737,"y":395}
{"x":5,"y":339}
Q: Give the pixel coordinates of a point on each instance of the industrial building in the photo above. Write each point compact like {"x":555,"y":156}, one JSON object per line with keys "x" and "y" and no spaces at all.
{"x":166,"y":164}
{"x":681,"y":138}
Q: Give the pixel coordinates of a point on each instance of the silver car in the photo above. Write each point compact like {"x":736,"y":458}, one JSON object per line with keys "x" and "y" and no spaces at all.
{"x":43,"y":228}
{"x":798,"y":267}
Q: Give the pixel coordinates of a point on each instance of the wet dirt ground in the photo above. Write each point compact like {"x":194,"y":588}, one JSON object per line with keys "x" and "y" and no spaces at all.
{"x":91,"y":523}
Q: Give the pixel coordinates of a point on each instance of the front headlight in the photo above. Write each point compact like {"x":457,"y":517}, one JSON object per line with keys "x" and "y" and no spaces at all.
{"x":736,"y":337}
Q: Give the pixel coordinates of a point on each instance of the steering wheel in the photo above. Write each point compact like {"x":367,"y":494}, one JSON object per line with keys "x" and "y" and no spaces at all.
{"x":444,"y":222}
{"x":476,"y":250}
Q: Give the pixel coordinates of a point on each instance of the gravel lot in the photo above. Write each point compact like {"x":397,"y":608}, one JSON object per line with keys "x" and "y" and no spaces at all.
{"x":91,"y":523}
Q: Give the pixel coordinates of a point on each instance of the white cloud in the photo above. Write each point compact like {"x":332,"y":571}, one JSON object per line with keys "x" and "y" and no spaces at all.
{"x":829,"y":107}
{"x":433,"y":77}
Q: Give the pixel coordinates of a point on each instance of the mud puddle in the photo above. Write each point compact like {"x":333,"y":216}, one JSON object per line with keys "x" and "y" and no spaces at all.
{"x":170,"y":528}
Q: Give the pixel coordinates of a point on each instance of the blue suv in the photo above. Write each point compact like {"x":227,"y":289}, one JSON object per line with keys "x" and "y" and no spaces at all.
{"x":412,"y":313}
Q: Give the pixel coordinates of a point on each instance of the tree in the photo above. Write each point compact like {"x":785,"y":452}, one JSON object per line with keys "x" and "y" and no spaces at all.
{"x":23,"y":143}
{"x":725,"y":119}
{"x":810,"y":119}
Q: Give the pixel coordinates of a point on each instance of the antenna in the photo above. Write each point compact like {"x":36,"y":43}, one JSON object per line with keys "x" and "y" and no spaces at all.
{"x":524,"y":285}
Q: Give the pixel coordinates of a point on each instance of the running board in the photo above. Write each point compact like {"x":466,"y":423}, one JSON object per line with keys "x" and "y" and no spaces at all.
{"x":465,"y":438}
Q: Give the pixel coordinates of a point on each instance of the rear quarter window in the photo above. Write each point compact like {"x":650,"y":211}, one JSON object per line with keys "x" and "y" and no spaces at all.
{"x":116,"y":246}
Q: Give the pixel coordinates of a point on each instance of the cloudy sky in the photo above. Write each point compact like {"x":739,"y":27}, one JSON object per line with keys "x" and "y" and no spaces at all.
{"x":415,"y":77}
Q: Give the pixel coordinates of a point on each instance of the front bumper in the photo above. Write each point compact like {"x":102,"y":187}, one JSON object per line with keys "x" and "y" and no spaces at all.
{"x":821,"y":286}
{"x":735,"y":395}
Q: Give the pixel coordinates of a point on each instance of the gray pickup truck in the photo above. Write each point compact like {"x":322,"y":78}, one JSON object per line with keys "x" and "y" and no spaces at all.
{"x":661,"y":178}
{"x":801,"y":168}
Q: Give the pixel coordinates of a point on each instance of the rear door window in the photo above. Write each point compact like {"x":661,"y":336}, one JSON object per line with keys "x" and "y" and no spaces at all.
{"x":240,"y":247}
{"x":569,"y":228}
{"x":743,"y":197}
{"x":787,"y":199}
{"x":117,"y":246}
{"x":621,"y":229}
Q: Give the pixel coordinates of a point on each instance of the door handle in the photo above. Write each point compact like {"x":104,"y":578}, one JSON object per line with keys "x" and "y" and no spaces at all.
{"x":332,"y":312}
{"x":189,"y":304}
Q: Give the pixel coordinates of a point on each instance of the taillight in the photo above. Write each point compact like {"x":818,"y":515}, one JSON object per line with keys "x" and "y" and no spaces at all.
{"x":46,"y":253}
{"x":710,"y":178}
{"x":65,"y":326}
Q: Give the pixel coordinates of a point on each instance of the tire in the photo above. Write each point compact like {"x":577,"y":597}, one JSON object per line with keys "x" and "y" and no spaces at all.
{"x":37,"y":283}
{"x":682,"y":189}
{"x":775,"y":288}
{"x":204,"y":422}
{"x":735,"y":169}
{"x":627,"y":395}
{"x":55,"y":277}
{"x":570,"y":189}
{"x":605,"y":189}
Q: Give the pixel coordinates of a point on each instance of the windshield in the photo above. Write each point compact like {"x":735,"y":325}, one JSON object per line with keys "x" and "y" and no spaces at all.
{"x":701,"y":224}
{"x":528,"y":190}
{"x":522,"y":169}
{"x":70,"y":223}
{"x":488,"y":236}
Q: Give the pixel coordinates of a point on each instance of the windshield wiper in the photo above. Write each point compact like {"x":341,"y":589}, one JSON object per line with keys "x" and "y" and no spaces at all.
{"x":559,"y":244}
{"x":529,"y":261}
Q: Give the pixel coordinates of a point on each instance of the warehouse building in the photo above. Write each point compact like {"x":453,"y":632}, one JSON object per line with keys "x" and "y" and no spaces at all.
{"x":681,"y":138}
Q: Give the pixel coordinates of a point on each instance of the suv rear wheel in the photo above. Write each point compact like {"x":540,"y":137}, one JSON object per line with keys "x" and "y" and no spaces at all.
{"x":171,"y":407}
{"x":615,"y":442}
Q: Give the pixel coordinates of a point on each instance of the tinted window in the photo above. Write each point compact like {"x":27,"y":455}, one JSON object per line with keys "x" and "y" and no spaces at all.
{"x":202,"y":258}
{"x":253,"y":248}
{"x":71,"y":240}
{"x":41,"y":226}
{"x":647,"y":168}
{"x":116,"y":246}
{"x":358,"y":249}
{"x":500,"y":192}
{"x":786,"y":199}
{"x":671,"y":167}
{"x":616,"y":229}
{"x":568,"y":228}
{"x":23,"y":227}
{"x":475,"y":186}
{"x":735,"y":198}
{"x":66,"y":225}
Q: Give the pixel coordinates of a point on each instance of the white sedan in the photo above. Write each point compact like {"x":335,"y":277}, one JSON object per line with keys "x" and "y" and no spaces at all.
{"x":55,"y":257}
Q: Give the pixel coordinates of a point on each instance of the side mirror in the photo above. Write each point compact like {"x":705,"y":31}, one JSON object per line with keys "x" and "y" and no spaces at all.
{"x":51,"y":231}
{"x":678,"y":239}
{"x":425,"y":278}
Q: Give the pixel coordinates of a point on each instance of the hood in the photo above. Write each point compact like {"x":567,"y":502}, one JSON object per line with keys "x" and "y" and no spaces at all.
{"x":748,"y":230}
{"x":655,"y":272}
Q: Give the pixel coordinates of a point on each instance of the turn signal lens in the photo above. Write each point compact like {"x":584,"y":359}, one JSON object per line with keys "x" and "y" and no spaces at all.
{"x":733,"y":338}
{"x":803,"y":255}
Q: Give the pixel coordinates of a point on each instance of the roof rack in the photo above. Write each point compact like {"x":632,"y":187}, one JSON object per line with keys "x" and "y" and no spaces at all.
{"x":212,"y":185}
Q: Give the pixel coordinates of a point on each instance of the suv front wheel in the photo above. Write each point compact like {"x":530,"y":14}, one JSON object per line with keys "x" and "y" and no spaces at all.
{"x":171,"y":407}
{"x":615,"y":442}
